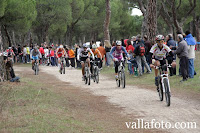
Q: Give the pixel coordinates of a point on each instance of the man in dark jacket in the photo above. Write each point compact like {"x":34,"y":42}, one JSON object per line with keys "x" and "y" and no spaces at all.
{"x":172,"y":45}
{"x":182,"y":53}
{"x":140,"y":58}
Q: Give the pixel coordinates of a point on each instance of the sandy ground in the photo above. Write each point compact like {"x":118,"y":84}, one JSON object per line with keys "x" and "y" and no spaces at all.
{"x":140,"y":102}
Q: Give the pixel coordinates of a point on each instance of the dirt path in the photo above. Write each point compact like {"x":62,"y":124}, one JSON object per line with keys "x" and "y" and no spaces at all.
{"x":136,"y":101}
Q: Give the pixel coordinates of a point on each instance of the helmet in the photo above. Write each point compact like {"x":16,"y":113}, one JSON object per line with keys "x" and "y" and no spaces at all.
{"x":118,"y":43}
{"x":84,"y":45}
{"x":9,"y":47}
{"x":61,"y":46}
{"x":160,"y":37}
{"x":94,"y":46}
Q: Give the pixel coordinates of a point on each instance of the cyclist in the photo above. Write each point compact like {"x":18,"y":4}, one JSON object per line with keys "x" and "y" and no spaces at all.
{"x":158,"y":54}
{"x":35,"y":56}
{"x":60,"y":52}
{"x":84,"y":56}
{"x":97,"y":56}
{"x":117,"y":55}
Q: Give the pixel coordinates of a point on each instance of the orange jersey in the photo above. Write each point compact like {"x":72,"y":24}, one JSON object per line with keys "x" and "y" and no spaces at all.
{"x":96,"y":53}
{"x":102,"y":51}
{"x":71,"y":53}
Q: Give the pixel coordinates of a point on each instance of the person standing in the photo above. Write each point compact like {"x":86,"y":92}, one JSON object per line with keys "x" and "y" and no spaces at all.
{"x":148,"y":46}
{"x":71,"y":54}
{"x":191,"y":53}
{"x":78,"y":64}
{"x":107,"y":49}
{"x":24,"y":54}
{"x":140,"y":56}
{"x":182,"y":53}
{"x":28,"y":54}
{"x":103,"y":53}
{"x":172,"y":45}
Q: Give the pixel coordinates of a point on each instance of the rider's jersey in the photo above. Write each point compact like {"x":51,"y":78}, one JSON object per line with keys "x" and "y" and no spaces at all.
{"x":60,"y":52}
{"x":118,"y":53}
{"x":85,"y":53}
{"x":34,"y":53}
{"x":158,"y":53}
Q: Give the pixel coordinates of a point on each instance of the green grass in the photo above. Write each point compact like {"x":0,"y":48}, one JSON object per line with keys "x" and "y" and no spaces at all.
{"x":33,"y":108}
{"x":147,"y":80}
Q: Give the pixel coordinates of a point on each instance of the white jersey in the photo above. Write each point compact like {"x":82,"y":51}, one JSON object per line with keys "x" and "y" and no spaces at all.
{"x":158,"y":53}
{"x":85,"y":53}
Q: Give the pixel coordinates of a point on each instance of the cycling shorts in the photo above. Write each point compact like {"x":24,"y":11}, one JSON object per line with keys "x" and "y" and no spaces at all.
{"x":35,"y":57}
{"x":84,"y":59}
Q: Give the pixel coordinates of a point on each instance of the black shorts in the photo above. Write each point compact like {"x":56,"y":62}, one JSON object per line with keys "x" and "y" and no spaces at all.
{"x":162,"y":63}
{"x":84,"y":59}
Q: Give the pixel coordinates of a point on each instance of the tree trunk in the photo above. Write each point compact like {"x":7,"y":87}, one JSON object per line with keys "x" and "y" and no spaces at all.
{"x":107,"y":21}
{"x":2,"y":64}
{"x":69,"y":35}
{"x":13,"y":36}
{"x":8,"y":35}
{"x":144,"y":25}
{"x":152,"y":20}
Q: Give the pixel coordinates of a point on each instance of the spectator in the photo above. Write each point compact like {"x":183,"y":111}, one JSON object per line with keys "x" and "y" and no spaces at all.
{"x":46,"y":55}
{"x":20,"y":54}
{"x":24,"y":54}
{"x":103,"y":53}
{"x":134,"y":41}
{"x":15,"y":54}
{"x":41,"y":49}
{"x":191,"y":53}
{"x":107,"y":49}
{"x":28,"y":54}
{"x":71,"y":54}
{"x":172,"y":45}
{"x":140,"y":56}
{"x":52,"y":57}
{"x":78,"y":64}
{"x":182,"y":53}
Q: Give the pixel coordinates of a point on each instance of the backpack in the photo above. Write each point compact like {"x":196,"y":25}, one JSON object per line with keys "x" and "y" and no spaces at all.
{"x":141,"y":50}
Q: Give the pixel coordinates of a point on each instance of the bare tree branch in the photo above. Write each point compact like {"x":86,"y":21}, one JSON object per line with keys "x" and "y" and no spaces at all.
{"x":180,"y":1}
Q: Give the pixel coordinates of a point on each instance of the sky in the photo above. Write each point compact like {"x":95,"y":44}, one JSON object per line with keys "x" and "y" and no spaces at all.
{"x":136,"y":11}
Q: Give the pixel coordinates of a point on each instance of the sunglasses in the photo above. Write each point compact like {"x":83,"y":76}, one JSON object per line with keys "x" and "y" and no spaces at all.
{"x":159,"y":41}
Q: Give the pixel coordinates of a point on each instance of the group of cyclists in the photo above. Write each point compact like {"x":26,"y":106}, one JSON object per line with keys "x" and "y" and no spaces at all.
{"x":85,"y":54}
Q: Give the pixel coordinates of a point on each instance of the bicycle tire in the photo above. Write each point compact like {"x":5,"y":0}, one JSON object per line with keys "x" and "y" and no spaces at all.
{"x":85,"y":77}
{"x":118,"y":80}
{"x":123,"y":79}
{"x":36,"y":69}
{"x":160,"y":89}
{"x":89,"y":77}
{"x":63,"y":69}
{"x":167,"y":93}
{"x":97,"y":75}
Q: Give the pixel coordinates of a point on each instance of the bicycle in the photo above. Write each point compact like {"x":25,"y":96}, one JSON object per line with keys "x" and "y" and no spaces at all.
{"x":121,"y":75}
{"x":87,"y":75}
{"x":164,"y":86}
{"x":95,"y":71}
{"x":62,"y":66}
{"x":36,"y":67}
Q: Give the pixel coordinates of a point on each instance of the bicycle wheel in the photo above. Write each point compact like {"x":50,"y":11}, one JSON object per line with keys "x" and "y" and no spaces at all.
{"x":86,"y":76}
{"x":160,"y":89}
{"x":97,"y":75}
{"x":167,"y":93}
{"x":36,"y":69}
{"x":123,"y":79}
{"x":118,"y":80}
{"x":89,"y":76}
{"x":63,"y":69}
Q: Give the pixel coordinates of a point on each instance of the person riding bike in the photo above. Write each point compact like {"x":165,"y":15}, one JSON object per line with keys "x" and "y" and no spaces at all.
{"x":97,"y":56}
{"x":158,"y":54}
{"x":35,"y":56}
{"x":84,"y":56}
{"x":60,"y":52}
{"x":117,"y":55}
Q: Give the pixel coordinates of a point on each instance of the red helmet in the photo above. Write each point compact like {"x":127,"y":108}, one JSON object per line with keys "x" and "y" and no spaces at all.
{"x":160,"y":37}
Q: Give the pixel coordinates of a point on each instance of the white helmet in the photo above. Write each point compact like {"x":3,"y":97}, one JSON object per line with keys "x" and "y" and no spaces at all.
{"x":118,"y":43}
{"x":94,"y":46}
{"x":159,"y":37}
{"x":84,"y":45}
{"x":61,"y":46}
